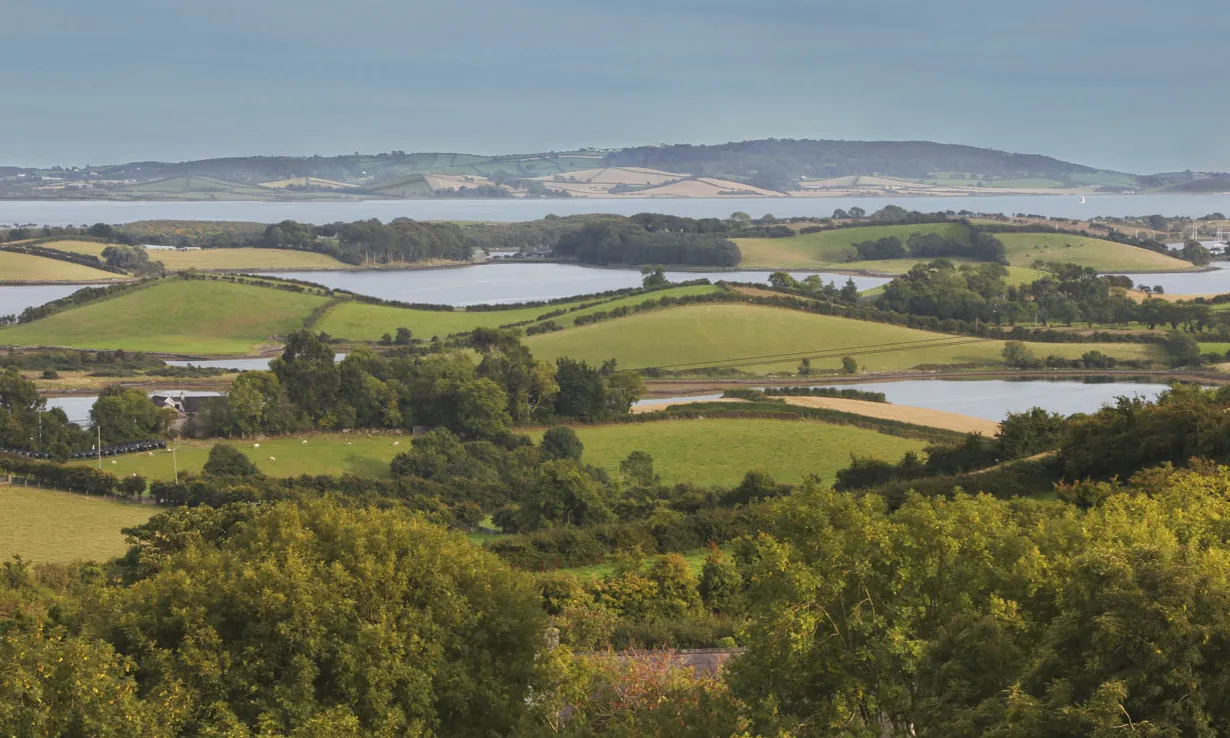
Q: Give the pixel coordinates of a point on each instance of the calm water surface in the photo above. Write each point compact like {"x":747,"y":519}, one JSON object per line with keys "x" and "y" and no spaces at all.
{"x":1067,"y":206}
{"x":78,"y":408}
{"x":990,"y":399}
{"x":1190,"y":283}
{"x":17,"y":298}
{"x":509,"y":283}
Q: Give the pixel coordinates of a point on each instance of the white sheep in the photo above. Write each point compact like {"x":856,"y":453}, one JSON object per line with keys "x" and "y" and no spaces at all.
{"x":304,"y":442}
{"x":272,"y":458}
{"x":349,"y":443}
{"x":256,"y":445}
{"x":396,"y":443}
{"x":113,"y":461}
{"x":149,"y":453}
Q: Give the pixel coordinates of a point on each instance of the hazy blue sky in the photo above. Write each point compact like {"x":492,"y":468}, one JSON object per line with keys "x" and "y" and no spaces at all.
{"x":1137,"y":85}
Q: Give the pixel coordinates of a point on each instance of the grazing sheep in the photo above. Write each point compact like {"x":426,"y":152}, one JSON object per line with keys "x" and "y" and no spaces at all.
{"x":113,"y":461}
{"x":396,"y":443}
{"x":150,"y":453}
{"x":256,"y":445}
{"x":272,"y":458}
{"x":349,"y":443}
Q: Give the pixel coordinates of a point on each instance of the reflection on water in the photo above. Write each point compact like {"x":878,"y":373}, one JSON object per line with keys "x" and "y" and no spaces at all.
{"x":14,"y":299}
{"x":78,"y":408}
{"x":510,"y":283}
{"x":1190,"y":283}
{"x":992,"y":399}
{"x":62,"y":212}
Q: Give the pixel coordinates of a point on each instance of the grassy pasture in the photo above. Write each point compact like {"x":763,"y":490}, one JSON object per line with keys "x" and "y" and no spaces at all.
{"x":830,"y":249}
{"x":721,"y":451}
{"x":702,"y":335}
{"x":46,"y":526}
{"x":183,"y":317}
{"x":28,"y":268}
{"x":349,"y":453}
{"x":1106,"y":256}
{"x":240,"y":259}
{"x":360,"y":322}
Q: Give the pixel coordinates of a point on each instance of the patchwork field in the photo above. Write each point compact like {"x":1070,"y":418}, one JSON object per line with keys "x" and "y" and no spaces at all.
{"x":241,"y":259}
{"x":1023,"y":249}
{"x":755,"y":338}
{"x":183,"y":317}
{"x":350,"y":453}
{"x":360,"y":322}
{"x":45,"y":526}
{"x":721,"y":451}
{"x":28,"y":268}
{"x":831,"y":249}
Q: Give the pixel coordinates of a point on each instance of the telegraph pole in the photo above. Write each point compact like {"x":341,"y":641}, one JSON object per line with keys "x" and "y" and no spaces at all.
{"x":175,"y":462}
{"x":99,"y":447}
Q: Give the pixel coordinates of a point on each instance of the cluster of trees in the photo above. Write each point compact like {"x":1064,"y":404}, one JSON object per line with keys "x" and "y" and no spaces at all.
{"x":950,"y":615}
{"x":26,"y":424}
{"x":979,"y":247}
{"x":1066,"y":295}
{"x":306,"y":388}
{"x":373,"y":242}
{"x":132,"y":259}
{"x":607,"y":242}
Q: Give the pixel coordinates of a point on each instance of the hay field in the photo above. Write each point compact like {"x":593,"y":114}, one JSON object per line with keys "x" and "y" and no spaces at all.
{"x":56,"y":527}
{"x":239,"y":259}
{"x":16,"y":267}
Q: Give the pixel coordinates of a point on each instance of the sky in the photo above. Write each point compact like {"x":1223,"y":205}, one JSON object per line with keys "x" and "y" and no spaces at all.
{"x":1133,"y":85}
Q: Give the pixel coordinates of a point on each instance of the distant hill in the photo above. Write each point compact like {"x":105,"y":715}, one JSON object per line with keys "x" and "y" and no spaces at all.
{"x":768,"y":167}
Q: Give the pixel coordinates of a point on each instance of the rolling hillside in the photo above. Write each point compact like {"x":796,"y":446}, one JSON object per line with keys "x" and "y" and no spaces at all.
{"x":361,"y":322}
{"x":174,"y":316}
{"x":1023,"y":249}
{"x":831,"y":248}
{"x":760,"y":340}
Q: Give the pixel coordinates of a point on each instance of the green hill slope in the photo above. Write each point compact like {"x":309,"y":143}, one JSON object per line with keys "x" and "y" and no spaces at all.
{"x":1023,"y":249}
{"x":174,"y":316}
{"x":360,"y":322}
{"x":832,"y":249}
{"x":721,"y":451}
{"x":754,"y":338}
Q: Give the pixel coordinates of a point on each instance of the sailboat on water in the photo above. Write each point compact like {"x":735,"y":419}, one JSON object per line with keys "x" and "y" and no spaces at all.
{"x":1082,"y":199}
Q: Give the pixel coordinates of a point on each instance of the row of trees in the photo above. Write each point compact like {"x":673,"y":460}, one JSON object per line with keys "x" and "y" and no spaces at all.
{"x":371,"y":241}
{"x":607,"y":242}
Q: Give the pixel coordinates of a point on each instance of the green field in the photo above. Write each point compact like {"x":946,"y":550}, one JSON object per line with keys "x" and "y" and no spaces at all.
{"x":1023,"y":249}
{"x":721,"y":451}
{"x":174,"y":316}
{"x":16,"y":267}
{"x":359,"y":322}
{"x":756,"y":335}
{"x":1016,"y":275}
{"x":219,"y":259}
{"x":831,"y":249}
{"x":350,"y":453}
{"x":45,"y":526}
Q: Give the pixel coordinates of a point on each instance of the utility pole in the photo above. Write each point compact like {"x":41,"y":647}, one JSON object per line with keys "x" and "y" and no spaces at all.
{"x":175,"y":462}
{"x":99,"y":447}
